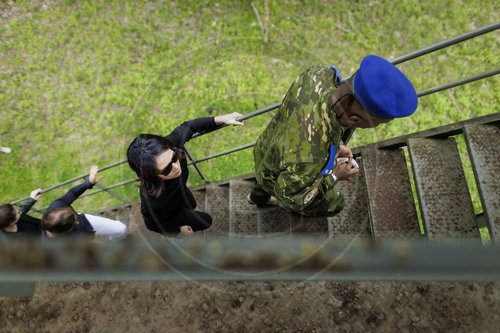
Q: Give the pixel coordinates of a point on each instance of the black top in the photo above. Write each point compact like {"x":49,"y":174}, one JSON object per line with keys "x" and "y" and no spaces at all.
{"x":66,"y":200}
{"x":27,"y":225}
{"x":159,"y":212}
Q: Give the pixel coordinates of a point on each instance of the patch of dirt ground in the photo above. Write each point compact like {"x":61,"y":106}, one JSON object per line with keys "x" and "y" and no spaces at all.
{"x":255,"y":307}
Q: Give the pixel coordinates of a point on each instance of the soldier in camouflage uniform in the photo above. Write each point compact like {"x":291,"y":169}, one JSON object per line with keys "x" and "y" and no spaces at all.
{"x":295,"y":157}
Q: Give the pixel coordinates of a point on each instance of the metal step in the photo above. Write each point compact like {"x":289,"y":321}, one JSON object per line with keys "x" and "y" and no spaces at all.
{"x":136,"y":226}
{"x":308,"y":225}
{"x":123,"y":214}
{"x":442,"y":191}
{"x":391,"y":204}
{"x":242,"y":215}
{"x":199,"y":196}
{"x":110,"y":214}
{"x":217,"y":206}
{"x":483,"y":143}
{"x":273,"y":221}
{"x":353,"y":219}
{"x":136,"y":223}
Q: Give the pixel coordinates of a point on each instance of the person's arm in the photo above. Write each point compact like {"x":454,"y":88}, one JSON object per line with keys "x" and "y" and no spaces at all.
{"x":187,"y":129}
{"x":299,"y":189}
{"x":25,"y":207}
{"x":159,"y":224}
{"x":170,"y":230}
{"x":75,"y":192}
{"x":34,"y":196}
{"x":186,"y":216}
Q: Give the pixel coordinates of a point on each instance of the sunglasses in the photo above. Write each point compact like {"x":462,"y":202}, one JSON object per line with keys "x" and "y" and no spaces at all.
{"x":168,"y":168}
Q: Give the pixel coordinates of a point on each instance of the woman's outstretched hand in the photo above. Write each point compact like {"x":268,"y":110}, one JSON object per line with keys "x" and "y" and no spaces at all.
{"x":229,"y":119}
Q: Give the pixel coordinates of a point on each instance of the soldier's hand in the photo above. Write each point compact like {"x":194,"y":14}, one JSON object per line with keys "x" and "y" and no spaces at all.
{"x":345,"y":152}
{"x":346,"y":170}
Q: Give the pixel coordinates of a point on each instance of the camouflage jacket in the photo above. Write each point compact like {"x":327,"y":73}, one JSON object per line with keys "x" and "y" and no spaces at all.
{"x":294,"y":148}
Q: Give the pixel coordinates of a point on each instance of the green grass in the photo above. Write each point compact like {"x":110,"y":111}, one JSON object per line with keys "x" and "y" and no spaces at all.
{"x":79,"y":80}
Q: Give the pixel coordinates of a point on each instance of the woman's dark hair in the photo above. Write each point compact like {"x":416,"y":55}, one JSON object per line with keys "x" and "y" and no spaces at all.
{"x":7,"y":215}
{"x":59,"y":220}
{"x":141,"y":156}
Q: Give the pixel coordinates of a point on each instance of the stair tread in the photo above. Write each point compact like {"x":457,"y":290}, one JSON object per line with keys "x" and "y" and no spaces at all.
{"x":301,"y":225}
{"x":391,"y":204}
{"x":217,"y":206}
{"x":446,"y":206}
{"x":242,"y":214}
{"x":483,"y":142}
{"x":199,"y":197}
{"x":272,"y":221}
{"x":354,"y":218}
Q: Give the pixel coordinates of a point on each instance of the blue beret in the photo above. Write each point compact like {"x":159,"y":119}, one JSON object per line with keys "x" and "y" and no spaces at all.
{"x":383,"y":89}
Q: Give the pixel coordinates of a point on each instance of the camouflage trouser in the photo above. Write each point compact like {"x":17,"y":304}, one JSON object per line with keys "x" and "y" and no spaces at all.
{"x":321,"y":199}
{"x":321,"y":206}
{"x":258,"y":195}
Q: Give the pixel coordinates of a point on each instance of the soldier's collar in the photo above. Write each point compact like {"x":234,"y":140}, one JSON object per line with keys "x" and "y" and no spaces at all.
{"x":330,"y":111}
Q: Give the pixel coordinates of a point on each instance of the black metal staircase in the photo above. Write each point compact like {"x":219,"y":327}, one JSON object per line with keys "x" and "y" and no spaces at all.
{"x":379,"y":202}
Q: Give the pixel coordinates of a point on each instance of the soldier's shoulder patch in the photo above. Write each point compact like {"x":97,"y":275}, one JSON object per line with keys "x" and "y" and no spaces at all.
{"x":310,"y":195}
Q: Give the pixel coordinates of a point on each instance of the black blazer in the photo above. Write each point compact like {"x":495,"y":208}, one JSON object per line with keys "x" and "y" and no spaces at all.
{"x":158,"y":212}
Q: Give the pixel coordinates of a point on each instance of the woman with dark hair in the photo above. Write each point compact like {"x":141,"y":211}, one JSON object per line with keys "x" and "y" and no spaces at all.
{"x":167,"y":205}
{"x":15,"y":221}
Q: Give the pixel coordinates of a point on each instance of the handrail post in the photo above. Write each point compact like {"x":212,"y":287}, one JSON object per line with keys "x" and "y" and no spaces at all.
{"x":116,"y":195}
{"x":104,"y":188}
{"x":191,"y":157}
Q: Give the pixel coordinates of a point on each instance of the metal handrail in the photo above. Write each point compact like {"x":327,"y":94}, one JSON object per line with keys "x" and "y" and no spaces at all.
{"x":69,"y":181}
{"x":419,"y":94}
{"x":446,"y":43}
{"x":404,"y":58}
{"x":459,"y":82}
